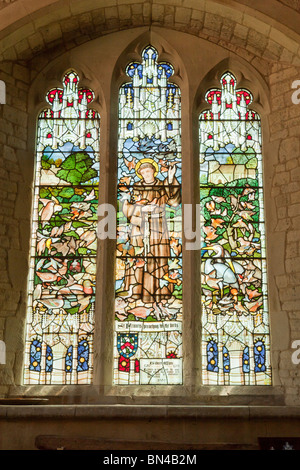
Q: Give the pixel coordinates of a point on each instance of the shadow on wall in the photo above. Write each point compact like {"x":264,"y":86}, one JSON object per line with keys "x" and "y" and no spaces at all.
{"x":2,"y":92}
{"x":2,"y":352}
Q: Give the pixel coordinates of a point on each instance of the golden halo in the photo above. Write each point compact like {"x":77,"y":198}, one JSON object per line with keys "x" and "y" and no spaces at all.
{"x":146,"y":160}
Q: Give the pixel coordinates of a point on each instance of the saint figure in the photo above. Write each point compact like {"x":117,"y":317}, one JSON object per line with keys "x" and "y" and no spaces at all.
{"x":145,"y":210}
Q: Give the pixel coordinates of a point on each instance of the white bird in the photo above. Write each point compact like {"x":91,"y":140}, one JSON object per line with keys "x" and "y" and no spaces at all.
{"x":91,"y":196}
{"x":226,"y":271}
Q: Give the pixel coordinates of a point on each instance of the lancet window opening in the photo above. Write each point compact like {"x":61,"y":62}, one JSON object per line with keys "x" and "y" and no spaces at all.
{"x":61,"y":301}
{"x":148,"y":301}
{"x":235,"y":318}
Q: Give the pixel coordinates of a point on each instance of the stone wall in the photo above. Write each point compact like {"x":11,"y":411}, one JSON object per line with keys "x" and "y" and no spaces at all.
{"x":66,"y":25}
{"x":285,"y":130}
{"x":13,"y":138}
{"x":295,"y":4}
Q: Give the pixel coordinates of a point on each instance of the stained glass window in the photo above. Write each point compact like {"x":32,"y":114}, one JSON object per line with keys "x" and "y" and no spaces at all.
{"x":35,"y":355}
{"x":148,"y":302}
{"x":61,"y":306}
{"x":235,"y":318}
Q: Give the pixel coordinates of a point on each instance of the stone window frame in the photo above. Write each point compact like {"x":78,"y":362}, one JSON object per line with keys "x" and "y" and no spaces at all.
{"x":106,"y":89}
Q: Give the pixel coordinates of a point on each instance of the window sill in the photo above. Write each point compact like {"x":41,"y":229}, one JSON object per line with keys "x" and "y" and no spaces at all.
{"x":135,"y":396}
{"x":117,"y":411}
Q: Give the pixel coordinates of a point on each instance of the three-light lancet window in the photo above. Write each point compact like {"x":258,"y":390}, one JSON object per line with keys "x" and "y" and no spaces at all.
{"x":148,"y":317}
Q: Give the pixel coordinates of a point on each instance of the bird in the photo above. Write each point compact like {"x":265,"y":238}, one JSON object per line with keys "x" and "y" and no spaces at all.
{"x":139,"y":263}
{"x":157,"y":311}
{"x":80,"y":209}
{"x":120,"y":305}
{"x":87,"y":238}
{"x":74,"y":289}
{"x":253,"y":306}
{"x":247,"y":205}
{"x":88,"y":286}
{"x":174,"y":264}
{"x":246,"y":247}
{"x":240,"y":309}
{"x":91,"y":196}
{"x":163,"y":283}
{"x":75,"y":266}
{"x":48,"y":277}
{"x":217,"y":223}
{"x":57,"y":231}
{"x":126,"y":249}
{"x":37,"y":293}
{"x":253,"y":294}
{"x":172,"y":281}
{"x":141,"y":312}
{"x":82,"y":302}
{"x":175,"y":246}
{"x":50,"y":206}
{"x":168,"y":312}
{"x":43,"y":242}
{"x":125,"y":180}
{"x":248,"y":190}
{"x":130,"y":163}
{"x":218,"y":199}
{"x":125,"y":294}
{"x":234,"y":202}
{"x":51,"y":304}
{"x":175,"y":274}
{"x":246,"y":214}
{"x":210,"y":233}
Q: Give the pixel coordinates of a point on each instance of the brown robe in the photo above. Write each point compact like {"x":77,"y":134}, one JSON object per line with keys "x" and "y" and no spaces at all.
{"x":153,"y":248}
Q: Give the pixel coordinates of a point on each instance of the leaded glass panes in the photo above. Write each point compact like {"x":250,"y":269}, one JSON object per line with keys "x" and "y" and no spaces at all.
{"x":60,"y":319}
{"x":235,"y":321}
{"x":148,"y":303}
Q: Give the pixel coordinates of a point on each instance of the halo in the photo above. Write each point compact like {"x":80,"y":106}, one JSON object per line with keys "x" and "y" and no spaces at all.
{"x":146,"y":160}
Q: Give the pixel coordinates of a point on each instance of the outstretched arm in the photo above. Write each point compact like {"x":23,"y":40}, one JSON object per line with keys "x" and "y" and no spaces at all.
{"x":172,"y":187}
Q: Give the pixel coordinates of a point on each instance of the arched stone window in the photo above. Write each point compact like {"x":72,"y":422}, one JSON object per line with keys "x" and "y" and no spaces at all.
{"x":139,"y":321}
{"x":63,"y":250}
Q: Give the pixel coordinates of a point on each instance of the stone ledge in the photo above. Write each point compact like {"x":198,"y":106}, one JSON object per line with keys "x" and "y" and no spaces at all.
{"x":107,"y":412}
{"x":48,"y":442}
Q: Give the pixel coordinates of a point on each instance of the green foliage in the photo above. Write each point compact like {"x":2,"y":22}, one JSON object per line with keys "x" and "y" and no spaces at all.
{"x":45,"y":162}
{"x":66,"y":193}
{"x":232,"y":213}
